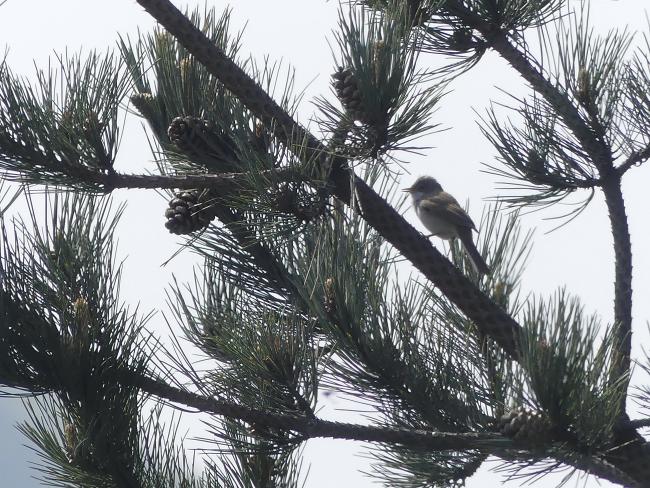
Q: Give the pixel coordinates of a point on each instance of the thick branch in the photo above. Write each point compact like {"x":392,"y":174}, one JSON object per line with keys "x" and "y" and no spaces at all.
{"x":307,"y":426}
{"x":311,"y":427}
{"x":623,"y":282}
{"x":486,"y":314}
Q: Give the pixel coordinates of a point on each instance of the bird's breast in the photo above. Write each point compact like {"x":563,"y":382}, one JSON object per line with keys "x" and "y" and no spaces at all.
{"x":437,"y":226}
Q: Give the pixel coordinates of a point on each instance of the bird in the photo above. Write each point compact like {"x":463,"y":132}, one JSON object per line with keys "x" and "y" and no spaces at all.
{"x":441,"y":214}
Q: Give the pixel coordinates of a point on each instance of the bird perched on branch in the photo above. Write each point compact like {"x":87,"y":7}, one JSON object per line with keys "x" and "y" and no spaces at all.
{"x":444,"y":217}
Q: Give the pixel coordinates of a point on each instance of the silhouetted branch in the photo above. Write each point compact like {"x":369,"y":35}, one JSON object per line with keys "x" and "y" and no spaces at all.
{"x":635,"y":158}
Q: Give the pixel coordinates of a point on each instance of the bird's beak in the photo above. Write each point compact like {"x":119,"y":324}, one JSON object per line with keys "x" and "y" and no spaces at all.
{"x":408,"y":190}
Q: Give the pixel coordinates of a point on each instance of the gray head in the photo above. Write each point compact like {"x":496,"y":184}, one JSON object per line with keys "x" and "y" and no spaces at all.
{"x":424,"y":185}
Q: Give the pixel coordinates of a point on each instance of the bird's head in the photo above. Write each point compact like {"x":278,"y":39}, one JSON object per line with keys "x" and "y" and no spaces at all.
{"x":424,"y":186}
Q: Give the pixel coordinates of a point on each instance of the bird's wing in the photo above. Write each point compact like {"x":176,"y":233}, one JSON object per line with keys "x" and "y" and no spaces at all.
{"x":444,"y":206}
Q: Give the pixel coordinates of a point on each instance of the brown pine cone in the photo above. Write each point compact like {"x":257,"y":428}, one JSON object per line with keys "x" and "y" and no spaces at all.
{"x":521,"y":424}
{"x":462,"y":40}
{"x":346,"y":86}
{"x":187,"y":213}
{"x":199,"y":138}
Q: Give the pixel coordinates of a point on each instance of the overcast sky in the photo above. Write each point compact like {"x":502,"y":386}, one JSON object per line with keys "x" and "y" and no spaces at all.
{"x":578,"y":255}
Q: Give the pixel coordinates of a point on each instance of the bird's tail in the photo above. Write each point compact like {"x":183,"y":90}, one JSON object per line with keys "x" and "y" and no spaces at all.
{"x":475,"y":257}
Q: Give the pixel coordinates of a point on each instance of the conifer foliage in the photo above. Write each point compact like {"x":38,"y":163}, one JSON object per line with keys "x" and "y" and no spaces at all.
{"x":300,"y":235}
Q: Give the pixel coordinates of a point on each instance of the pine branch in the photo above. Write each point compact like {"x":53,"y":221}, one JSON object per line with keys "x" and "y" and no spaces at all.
{"x":596,"y":147}
{"x":310,"y":428}
{"x":487,"y":315}
{"x":639,"y":423}
{"x":224,"y":182}
{"x":601,"y":154}
{"x":623,"y":282}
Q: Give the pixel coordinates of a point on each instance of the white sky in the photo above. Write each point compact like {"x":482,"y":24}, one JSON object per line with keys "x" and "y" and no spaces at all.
{"x":578,"y":256}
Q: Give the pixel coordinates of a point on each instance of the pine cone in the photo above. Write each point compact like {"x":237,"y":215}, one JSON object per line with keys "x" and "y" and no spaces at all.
{"x":70,"y":442}
{"x":346,"y":86}
{"x":583,"y":87}
{"x":501,"y":293}
{"x":305,"y":206}
{"x":143,"y":102}
{"x":330,"y":298}
{"x":187,"y":213}
{"x":260,"y":139}
{"x":188,"y":133}
{"x":521,"y":424}
{"x":200,"y":138}
{"x":462,"y":39}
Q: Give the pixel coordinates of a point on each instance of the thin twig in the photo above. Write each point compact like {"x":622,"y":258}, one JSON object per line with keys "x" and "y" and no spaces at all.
{"x":224,"y":182}
{"x":639,"y":423}
{"x":636,"y":158}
